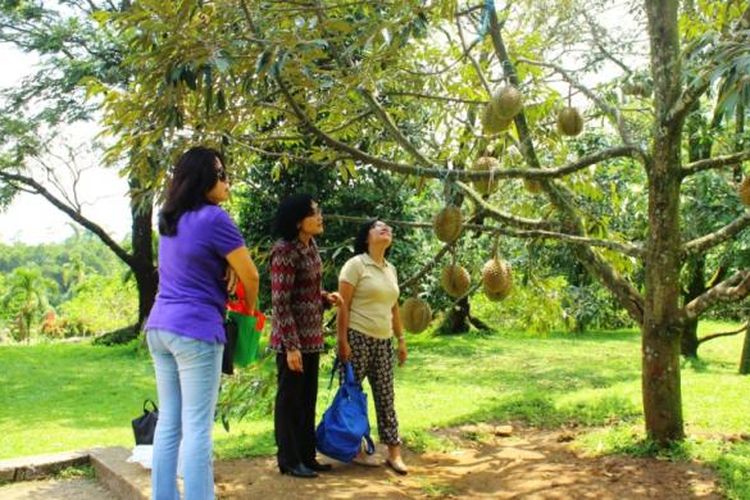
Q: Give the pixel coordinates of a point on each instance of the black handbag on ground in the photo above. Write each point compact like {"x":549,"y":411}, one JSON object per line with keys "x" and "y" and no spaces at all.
{"x":227,"y":359}
{"x":145,"y":425}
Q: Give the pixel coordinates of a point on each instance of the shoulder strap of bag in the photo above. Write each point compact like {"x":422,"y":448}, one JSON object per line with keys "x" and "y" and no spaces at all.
{"x":369,"y":445}
{"x":153,"y":405}
{"x":336,"y":363}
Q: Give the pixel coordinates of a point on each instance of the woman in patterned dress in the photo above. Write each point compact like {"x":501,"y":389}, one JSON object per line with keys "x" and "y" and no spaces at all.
{"x":297,"y":333}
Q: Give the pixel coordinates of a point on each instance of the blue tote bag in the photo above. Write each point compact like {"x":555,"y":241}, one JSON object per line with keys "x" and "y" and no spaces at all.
{"x":344,"y":425}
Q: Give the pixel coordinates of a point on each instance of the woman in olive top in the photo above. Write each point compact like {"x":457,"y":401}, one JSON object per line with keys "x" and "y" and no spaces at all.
{"x":367,"y":321}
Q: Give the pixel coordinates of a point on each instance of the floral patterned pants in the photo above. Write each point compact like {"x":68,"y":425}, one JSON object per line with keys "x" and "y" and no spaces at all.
{"x":373,"y":358}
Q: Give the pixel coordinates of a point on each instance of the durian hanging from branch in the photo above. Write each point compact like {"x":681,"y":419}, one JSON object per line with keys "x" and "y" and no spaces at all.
{"x":416,"y":315}
{"x":455,"y":280}
{"x":504,"y":105}
{"x":448,"y":224}
{"x":496,"y":276}
{"x":496,"y":279}
{"x":485,"y":186}
{"x":569,"y":120}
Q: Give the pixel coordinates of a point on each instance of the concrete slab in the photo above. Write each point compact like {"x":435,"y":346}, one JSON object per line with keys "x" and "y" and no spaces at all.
{"x":127,"y":481}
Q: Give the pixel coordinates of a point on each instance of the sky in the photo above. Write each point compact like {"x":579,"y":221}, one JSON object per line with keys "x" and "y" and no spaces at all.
{"x":30,"y":218}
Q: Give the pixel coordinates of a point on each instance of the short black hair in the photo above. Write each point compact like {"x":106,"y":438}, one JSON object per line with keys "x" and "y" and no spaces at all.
{"x":360,"y":241}
{"x":292,"y":210}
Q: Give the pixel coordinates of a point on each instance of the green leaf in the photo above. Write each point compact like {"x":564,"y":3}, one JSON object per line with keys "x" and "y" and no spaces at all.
{"x":188,"y":77}
{"x":339,"y":25}
{"x":264,"y":59}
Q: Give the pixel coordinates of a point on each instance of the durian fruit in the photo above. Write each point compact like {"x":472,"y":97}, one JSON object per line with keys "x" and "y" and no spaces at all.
{"x":448,"y":223}
{"x":744,"y":191}
{"x":485,"y":186}
{"x":492,"y":123}
{"x":532,"y":186}
{"x":455,"y":280}
{"x":496,"y":279}
{"x":569,"y":121}
{"x":416,"y":315}
{"x":505,"y":104}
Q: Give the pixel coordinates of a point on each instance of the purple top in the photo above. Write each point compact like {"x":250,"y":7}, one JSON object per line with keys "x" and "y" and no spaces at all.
{"x":192,"y":292}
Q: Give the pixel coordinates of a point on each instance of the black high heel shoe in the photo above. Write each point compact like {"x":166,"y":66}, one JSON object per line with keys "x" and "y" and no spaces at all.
{"x":318,"y":467}
{"x":299,"y":470}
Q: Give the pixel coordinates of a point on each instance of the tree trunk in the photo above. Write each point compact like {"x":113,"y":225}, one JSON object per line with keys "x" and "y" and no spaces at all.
{"x":457,"y":319}
{"x":141,"y":263}
{"x":689,"y":339}
{"x":745,"y":358}
{"x":146,"y":277}
{"x":696,"y":286}
{"x":662,"y":396}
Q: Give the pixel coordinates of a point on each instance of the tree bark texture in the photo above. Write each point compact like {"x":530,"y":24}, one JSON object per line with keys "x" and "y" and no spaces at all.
{"x":745,"y":357}
{"x":662,"y":396}
{"x":143,"y":267}
{"x":696,"y":286}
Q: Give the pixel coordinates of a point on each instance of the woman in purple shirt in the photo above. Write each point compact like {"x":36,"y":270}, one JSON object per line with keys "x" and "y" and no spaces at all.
{"x":185,"y":329}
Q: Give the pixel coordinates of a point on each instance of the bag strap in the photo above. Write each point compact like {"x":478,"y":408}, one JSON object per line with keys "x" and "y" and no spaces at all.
{"x":349,"y":375}
{"x":369,"y":445}
{"x":336,"y":364}
{"x":153,"y":405}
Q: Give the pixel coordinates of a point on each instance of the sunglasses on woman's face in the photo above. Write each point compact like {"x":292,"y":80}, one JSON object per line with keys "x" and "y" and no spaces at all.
{"x":221,"y":174}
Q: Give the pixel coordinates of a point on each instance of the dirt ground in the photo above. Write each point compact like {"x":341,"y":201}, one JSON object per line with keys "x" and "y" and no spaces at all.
{"x":55,"y":489}
{"x":488,"y":463}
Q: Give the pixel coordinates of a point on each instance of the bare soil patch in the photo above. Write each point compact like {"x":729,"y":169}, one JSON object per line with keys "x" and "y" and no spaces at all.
{"x":488,"y":463}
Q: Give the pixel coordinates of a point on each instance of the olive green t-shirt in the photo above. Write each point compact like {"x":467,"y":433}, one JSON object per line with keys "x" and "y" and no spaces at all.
{"x":375,"y":293}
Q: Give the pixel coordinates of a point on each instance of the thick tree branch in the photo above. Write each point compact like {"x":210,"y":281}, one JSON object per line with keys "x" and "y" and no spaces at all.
{"x":734,"y":288}
{"x":716,"y":162}
{"x":722,"y":334}
{"x":726,"y":233}
{"x":689,"y":97}
{"x":70,"y":212}
{"x":553,"y":173}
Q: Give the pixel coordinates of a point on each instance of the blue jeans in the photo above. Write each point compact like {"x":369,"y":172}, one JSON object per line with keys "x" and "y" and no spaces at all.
{"x":187,"y":383}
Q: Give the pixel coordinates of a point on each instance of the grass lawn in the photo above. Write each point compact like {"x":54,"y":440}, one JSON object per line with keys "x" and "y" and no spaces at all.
{"x":67,"y":397}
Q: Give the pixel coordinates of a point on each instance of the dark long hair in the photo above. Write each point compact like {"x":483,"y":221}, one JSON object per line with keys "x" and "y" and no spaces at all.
{"x":292,"y":210}
{"x":194,"y":175}
{"x":360,"y":241}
